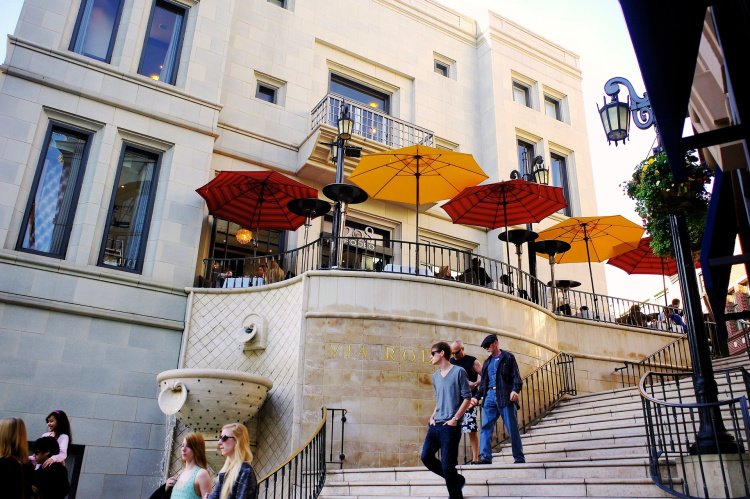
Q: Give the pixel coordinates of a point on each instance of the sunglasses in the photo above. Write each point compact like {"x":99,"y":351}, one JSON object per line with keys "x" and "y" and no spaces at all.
{"x":224,"y":438}
{"x":456,"y":352}
{"x":435,"y":352}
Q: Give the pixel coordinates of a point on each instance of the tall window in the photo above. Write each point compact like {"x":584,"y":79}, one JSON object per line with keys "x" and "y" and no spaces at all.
{"x":521,"y":94}
{"x":129,"y":218}
{"x":363,"y":94}
{"x":525,"y":156}
{"x":161,"y":51}
{"x":559,"y":178}
{"x":54,"y":193}
{"x":368,"y":124}
{"x":552,"y":108}
{"x":96,"y":28}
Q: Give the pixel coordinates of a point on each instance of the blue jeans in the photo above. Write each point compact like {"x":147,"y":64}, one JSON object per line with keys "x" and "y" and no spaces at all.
{"x":490,"y":413}
{"x":445,"y":439}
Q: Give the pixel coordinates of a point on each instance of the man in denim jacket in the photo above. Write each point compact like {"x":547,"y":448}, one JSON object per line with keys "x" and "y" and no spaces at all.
{"x":501,"y":383}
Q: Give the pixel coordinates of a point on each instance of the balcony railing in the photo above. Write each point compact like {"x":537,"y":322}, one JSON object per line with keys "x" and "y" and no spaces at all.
{"x":399,"y":257}
{"x":371,"y":124}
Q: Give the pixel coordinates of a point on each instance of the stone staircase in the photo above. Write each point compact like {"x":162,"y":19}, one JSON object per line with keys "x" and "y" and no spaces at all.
{"x":589,"y":446}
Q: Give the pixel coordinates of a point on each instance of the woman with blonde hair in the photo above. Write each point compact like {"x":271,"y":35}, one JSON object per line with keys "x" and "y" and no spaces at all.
{"x":236,"y":479}
{"x":193,"y":481}
{"x":15,"y":469}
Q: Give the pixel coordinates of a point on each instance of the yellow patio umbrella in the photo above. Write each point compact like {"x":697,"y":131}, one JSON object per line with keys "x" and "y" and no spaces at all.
{"x":416,"y":174}
{"x":594,"y":239}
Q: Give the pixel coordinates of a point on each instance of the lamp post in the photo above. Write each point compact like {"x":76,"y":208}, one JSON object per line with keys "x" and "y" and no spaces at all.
{"x":344,"y":127}
{"x":539,"y":174}
{"x":712,"y":436}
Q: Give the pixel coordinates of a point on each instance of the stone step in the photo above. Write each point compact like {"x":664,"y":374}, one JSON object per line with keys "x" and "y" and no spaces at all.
{"x":583,"y":442}
{"x":591,"y":452}
{"x":570,"y":468}
{"x":503,"y":487}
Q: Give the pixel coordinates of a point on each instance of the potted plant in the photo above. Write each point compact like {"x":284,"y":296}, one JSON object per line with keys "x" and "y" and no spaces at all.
{"x":657,"y":195}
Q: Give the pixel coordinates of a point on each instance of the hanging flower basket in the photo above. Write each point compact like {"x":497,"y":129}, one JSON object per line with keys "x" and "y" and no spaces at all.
{"x":656,"y":196}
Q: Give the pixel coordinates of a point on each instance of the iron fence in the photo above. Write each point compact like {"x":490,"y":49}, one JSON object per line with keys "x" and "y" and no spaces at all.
{"x":370,"y":123}
{"x":673,"y":420}
{"x":303,"y":475}
{"x":437,"y":262}
{"x":673,"y":357}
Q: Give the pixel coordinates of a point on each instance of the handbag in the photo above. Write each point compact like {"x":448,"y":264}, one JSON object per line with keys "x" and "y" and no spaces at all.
{"x":161,"y":492}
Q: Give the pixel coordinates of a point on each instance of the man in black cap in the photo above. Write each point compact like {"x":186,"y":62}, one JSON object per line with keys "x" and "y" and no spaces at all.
{"x":500,"y":385}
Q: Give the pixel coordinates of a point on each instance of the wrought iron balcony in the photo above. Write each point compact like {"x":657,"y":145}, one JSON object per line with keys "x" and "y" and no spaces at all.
{"x":371,"y":124}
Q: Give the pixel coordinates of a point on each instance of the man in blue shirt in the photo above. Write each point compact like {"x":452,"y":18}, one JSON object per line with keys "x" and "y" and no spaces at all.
{"x":452,"y":399}
{"x":501,"y":383}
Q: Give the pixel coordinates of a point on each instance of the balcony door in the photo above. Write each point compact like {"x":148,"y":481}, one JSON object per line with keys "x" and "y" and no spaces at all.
{"x":369,"y":121}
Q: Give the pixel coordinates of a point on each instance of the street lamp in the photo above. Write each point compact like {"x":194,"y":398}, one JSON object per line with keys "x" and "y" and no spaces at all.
{"x":538,"y":174}
{"x":712,"y":437}
{"x":615,"y":115}
{"x":339,"y":151}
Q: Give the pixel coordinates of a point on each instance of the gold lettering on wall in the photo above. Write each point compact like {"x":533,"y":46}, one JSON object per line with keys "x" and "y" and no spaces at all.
{"x":391,"y":353}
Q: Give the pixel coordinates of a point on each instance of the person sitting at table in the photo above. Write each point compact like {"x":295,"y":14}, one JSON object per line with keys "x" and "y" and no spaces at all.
{"x":222,"y":276}
{"x":674,"y":317}
{"x":444,"y":273}
{"x":634,"y":317}
{"x":261,"y":272}
{"x":476,"y":274}
{"x":564,"y":309}
{"x":275,"y":273}
{"x":584,"y":312}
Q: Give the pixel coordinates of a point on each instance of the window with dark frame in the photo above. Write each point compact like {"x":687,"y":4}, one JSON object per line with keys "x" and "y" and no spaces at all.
{"x":370,"y":97}
{"x":559,"y":178}
{"x":552,"y":107}
{"x":53,"y":200}
{"x":129,"y":217}
{"x":96,"y":28}
{"x":280,"y":3}
{"x":266,"y":92}
{"x":525,"y":156}
{"x":521,"y":94}
{"x":442,"y":68}
{"x":163,"y":45}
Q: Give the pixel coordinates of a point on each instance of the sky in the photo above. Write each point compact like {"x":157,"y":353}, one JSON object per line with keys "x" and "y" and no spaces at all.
{"x":596,"y":31}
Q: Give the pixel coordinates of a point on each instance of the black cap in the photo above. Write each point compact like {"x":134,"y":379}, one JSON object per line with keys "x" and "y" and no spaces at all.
{"x":489,"y":340}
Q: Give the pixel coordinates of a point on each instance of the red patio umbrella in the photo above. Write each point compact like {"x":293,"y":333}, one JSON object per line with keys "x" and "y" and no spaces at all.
{"x":642,"y":260}
{"x":506,"y":203}
{"x":255,"y":199}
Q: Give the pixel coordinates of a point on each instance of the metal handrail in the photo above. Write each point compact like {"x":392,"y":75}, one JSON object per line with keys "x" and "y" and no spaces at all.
{"x":670,"y":426}
{"x":303,"y":474}
{"x":673,"y":357}
{"x":542,"y":391}
{"x":370,"y":123}
{"x":399,"y":257}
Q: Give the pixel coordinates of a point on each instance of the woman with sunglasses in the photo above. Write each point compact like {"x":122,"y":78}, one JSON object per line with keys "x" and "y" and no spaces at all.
{"x":236,"y":479}
{"x":193,"y":481}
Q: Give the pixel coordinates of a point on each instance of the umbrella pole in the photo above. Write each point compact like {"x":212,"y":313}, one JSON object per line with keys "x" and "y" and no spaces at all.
{"x":507,"y":242}
{"x":591,"y":272}
{"x":416,"y":240}
{"x":552,"y":274}
{"x":664,"y":283}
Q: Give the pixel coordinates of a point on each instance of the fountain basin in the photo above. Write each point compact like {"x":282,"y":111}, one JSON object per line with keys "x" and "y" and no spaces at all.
{"x":207,"y":399}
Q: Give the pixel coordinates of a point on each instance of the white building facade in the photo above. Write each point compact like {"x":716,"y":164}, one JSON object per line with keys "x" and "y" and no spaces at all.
{"x":114,"y":111}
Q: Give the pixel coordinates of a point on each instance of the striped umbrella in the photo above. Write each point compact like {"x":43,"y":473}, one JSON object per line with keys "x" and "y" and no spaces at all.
{"x":256,"y":199}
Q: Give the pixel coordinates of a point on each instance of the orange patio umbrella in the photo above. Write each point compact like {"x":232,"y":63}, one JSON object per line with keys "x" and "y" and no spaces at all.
{"x":416,"y":174}
{"x":594,"y":239}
